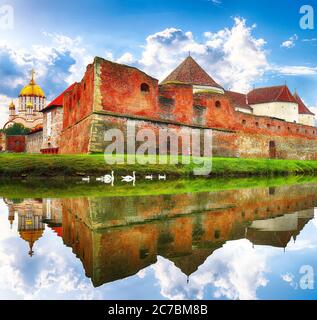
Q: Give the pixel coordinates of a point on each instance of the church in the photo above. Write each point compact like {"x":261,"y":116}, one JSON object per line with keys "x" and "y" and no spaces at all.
{"x":268,"y":122}
{"x":32,"y":100}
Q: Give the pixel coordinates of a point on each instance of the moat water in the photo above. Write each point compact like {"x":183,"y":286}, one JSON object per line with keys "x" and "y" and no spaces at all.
{"x":173,"y":240}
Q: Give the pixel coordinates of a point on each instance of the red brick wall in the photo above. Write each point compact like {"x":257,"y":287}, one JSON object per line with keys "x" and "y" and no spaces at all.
{"x":15,"y":144}
{"x":264,"y":125}
{"x":176,"y":103}
{"x":120,"y":90}
{"x":78,"y":103}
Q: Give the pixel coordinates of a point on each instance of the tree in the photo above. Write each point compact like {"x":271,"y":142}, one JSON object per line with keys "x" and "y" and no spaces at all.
{"x":16,"y":129}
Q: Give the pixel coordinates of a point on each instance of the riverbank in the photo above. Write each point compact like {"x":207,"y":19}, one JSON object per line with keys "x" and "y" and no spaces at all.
{"x":74,"y":187}
{"x":29,"y":165}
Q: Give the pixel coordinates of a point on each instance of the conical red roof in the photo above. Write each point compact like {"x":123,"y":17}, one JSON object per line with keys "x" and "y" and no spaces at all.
{"x":190,"y":72}
{"x":302,"y":109}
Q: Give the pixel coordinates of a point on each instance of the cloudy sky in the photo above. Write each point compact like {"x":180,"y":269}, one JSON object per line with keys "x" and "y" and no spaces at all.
{"x":242,"y":44}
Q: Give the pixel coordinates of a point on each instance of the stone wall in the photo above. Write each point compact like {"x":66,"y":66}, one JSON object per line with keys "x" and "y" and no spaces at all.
{"x":34,"y":142}
{"x":52,"y":135}
{"x":88,"y":136}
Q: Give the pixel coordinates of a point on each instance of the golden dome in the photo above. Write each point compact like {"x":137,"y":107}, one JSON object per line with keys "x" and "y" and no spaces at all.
{"x":32,"y":89}
{"x":29,"y":105}
{"x":12,"y":105}
{"x":31,"y":236}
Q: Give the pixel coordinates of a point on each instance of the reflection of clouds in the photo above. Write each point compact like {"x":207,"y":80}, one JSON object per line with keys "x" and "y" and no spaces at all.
{"x":290,"y":279}
{"x":315,"y":218}
{"x":52,"y":273}
{"x":236,"y":271}
{"x":141,"y":274}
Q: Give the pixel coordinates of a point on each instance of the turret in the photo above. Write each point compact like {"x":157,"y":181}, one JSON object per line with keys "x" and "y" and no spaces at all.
{"x":12,"y":109}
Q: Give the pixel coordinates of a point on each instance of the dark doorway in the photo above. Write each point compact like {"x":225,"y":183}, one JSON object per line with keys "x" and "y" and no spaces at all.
{"x":272,"y":150}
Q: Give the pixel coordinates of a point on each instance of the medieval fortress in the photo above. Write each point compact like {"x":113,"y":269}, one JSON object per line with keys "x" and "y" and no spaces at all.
{"x":267,"y":122}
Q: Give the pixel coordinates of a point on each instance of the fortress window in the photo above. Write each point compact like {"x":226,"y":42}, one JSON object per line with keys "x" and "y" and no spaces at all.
{"x":257,"y":124}
{"x":145,"y":87}
{"x":268,"y":126}
{"x":279,"y":127}
{"x":218,"y":104}
{"x":244,"y":122}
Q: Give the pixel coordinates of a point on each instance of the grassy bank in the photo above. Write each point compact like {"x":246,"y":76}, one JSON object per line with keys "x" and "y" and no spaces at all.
{"x":26,"y":165}
{"x":74,"y":188}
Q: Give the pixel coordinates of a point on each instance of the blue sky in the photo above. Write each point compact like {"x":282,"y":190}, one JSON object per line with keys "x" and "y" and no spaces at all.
{"x":241,"y":44}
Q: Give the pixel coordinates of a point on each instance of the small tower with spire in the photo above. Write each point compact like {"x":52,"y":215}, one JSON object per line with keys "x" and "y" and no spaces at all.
{"x":12,"y":110}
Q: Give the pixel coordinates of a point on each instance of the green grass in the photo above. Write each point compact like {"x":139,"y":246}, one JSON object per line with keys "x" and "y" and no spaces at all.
{"x":21,"y":165}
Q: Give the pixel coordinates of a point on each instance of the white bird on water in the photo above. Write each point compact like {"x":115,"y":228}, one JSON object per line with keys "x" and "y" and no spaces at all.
{"x":129,"y":178}
{"x":149,"y":177}
{"x":162,"y":177}
{"x":109,"y":178}
{"x":87,"y":179}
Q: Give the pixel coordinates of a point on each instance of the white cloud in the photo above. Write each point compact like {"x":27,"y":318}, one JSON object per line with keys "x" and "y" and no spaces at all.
{"x":216,"y":2}
{"x":126,"y":58}
{"x":4,"y":105}
{"x":57,"y":65}
{"x":233,"y":56}
{"x":290,"y":43}
{"x":310,"y":40}
{"x":236,"y":271}
{"x":295,"y":70}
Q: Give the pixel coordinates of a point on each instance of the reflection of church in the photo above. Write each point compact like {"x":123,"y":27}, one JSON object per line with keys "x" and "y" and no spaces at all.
{"x":32,"y":215}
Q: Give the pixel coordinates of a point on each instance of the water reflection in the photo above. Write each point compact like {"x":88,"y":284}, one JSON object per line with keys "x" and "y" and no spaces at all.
{"x":118,"y":237}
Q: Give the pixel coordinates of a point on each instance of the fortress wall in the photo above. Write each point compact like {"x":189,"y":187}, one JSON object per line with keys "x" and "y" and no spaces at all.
{"x":75,"y":139}
{"x":34,"y":141}
{"x":88,"y":136}
{"x":120,"y":89}
{"x":79,"y":102}
{"x":292,"y":148}
{"x":248,"y":123}
{"x":110,"y":95}
{"x":223,"y":141}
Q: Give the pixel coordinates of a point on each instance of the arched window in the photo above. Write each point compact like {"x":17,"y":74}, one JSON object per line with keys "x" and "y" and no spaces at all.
{"x":145,"y":87}
{"x":218,"y":104}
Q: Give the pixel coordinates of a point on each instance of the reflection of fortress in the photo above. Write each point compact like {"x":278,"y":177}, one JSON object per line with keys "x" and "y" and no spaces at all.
{"x":115,"y":237}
